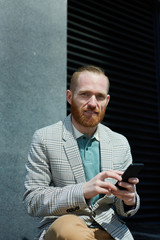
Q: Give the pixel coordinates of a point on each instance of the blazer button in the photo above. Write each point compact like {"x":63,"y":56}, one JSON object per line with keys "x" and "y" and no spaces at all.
{"x":72,"y":209}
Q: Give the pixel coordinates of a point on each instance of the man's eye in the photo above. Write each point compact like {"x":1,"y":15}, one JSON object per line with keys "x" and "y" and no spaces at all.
{"x":100,"y":97}
{"x":84,"y":94}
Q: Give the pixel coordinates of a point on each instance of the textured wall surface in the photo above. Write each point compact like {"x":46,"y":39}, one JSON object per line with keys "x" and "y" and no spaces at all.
{"x":32,"y":95}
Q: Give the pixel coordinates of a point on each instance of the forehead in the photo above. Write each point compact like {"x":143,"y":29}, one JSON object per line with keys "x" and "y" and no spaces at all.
{"x":92,"y":81}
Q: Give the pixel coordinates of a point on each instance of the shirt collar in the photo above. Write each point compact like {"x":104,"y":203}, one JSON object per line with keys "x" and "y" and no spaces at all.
{"x":78,"y":134}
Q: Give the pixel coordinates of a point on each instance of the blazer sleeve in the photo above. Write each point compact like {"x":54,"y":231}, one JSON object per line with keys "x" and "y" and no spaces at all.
{"x":119,"y":204}
{"x":41,"y":198}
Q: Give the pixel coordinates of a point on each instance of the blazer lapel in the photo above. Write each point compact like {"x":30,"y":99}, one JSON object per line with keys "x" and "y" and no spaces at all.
{"x":106,"y":149}
{"x":72,"y":151}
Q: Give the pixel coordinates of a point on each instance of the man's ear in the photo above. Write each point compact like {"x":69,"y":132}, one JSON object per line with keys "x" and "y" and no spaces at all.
{"x":69,"y":96}
{"x":108,"y":98}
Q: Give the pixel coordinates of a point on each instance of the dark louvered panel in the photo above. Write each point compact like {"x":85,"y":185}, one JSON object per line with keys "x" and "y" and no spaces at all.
{"x":120,"y":36}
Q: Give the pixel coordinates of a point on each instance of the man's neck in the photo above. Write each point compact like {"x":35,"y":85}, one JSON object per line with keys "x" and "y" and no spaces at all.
{"x":85,"y":130}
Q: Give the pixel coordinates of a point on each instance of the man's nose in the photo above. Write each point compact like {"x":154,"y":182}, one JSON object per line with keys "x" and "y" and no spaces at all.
{"x":92,"y":101}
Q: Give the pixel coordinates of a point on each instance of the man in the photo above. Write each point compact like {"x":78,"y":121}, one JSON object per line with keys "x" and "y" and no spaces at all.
{"x":73,"y":166}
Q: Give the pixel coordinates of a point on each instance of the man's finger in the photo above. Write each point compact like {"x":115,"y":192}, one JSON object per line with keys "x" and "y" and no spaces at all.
{"x":111,"y":174}
{"x":133,"y":180}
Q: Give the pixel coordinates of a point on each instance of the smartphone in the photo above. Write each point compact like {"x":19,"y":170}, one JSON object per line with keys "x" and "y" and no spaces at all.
{"x":132,"y":171}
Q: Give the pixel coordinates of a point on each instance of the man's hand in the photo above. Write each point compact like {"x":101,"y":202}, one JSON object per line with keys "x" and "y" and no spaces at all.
{"x":97,"y":185}
{"x":129,"y":194}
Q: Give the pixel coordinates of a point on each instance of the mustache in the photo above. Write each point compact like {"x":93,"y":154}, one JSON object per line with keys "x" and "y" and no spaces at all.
{"x":90,"y":109}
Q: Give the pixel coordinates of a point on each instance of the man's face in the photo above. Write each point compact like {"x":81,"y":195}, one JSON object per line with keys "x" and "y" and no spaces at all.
{"x":90,"y":99}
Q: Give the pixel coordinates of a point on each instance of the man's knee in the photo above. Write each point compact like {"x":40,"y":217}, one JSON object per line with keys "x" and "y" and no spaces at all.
{"x":68,"y":227}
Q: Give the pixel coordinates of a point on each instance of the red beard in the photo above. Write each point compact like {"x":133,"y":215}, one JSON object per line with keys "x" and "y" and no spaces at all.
{"x":86,"y":121}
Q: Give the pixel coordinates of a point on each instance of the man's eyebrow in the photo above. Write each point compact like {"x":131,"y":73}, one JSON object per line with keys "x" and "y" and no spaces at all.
{"x":84,"y":90}
{"x":89,"y":91}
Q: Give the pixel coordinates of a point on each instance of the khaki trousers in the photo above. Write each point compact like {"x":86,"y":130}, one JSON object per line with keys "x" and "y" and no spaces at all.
{"x":71,"y":227}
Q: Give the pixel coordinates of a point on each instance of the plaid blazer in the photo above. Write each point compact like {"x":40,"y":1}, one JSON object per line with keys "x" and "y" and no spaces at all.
{"x":55,"y":178}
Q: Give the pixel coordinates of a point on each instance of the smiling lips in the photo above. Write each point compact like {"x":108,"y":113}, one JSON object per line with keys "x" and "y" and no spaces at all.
{"x":90,"y":112}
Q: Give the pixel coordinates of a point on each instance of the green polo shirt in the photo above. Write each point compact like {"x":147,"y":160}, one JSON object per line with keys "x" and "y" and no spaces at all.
{"x":90,"y":154}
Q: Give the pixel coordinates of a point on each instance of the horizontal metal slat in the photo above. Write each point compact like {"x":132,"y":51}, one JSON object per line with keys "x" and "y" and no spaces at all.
{"x":143,"y":7}
{"x":115,"y":111}
{"x":135,"y":103}
{"x":132,"y":131}
{"x":113,"y":47}
{"x":83,"y":60}
{"x":139,"y":81}
{"x":113,"y":50}
{"x":137,"y":123}
{"x":72,"y":48}
{"x":116,"y":8}
{"x":101,"y":37}
{"x":120,"y":34}
{"x":129,"y":111}
{"x":144,"y":31}
{"x":136,"y":8}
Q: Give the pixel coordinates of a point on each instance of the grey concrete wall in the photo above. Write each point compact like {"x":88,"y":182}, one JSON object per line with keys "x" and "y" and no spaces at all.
{"x":32,"y":95}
